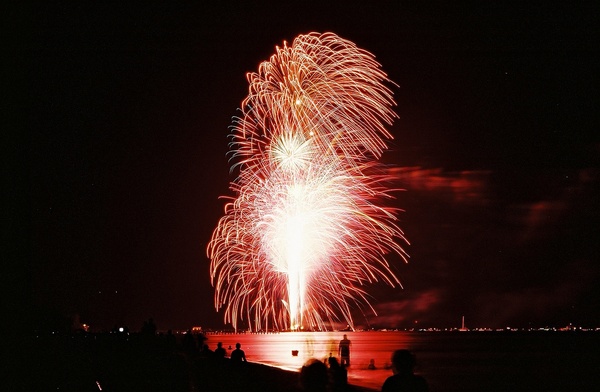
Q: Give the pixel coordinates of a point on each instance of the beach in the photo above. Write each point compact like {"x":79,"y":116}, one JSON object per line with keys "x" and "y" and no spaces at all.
{"x":452,"y":361}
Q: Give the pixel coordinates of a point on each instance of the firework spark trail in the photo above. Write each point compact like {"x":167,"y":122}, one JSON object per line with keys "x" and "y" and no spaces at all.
{"x":307,"y":229}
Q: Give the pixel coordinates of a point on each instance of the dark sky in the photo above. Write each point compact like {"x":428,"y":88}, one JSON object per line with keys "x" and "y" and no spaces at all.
{"x":124,"y":156}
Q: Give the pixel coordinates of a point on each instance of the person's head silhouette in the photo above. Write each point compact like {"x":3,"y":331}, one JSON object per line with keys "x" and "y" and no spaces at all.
{"x":333,"y":362}
{"x":403,"y":361}
{"x":313,"y":376}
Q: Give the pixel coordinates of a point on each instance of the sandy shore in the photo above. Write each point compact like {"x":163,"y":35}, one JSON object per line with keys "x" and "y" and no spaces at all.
{"x":249,"y":377}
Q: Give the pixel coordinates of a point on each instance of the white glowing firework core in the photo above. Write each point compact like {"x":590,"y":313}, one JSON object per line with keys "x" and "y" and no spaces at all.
{"x":299,"y":232}
{"x":296,"y":232}
{"x":298,"y":246}
{"x":296,"y":267}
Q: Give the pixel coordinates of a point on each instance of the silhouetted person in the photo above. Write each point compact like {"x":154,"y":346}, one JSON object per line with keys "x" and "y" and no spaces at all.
{"x":344,"y":351}
{"x":313,"y":376}
{"x":220,"y":352}
{"x":171,"y":340}
{"x":200,"y":338}
{"x":206,"y":352}
{"x":338,"y":375}
{"x":403,"y":364}
{"x":189,"y":343}
{"x":149,"y":327}
{"x":371,"y":364}
{"x":238,"y":355}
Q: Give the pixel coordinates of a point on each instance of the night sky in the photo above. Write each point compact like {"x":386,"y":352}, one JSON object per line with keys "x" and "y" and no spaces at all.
{"x":122,"y":158}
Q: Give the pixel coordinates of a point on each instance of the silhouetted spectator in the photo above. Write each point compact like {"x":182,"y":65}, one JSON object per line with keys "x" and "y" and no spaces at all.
{"x":171,"y":340}
{"x":403,"y":364}
{"x":238,"y":355}
{"x":201,"y":339}
{"x":220,"y":352}
{"x":344,"y":351}
{"x":149,"y":328}
{"x":313,"y":376}
{"x":371,"y":364}
{"x":189,"y":343}
{"x":206,"y":352}
{"x":338,"y":375}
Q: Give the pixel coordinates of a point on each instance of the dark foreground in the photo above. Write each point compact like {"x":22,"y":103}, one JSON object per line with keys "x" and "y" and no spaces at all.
{"x":116,"y":362}
{"x":449,"y":362}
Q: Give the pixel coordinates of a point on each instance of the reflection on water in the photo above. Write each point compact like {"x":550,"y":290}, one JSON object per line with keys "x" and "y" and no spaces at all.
{"x":276,"y":350}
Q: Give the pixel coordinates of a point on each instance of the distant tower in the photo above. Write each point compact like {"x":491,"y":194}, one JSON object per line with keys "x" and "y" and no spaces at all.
{"x":462,"y":328}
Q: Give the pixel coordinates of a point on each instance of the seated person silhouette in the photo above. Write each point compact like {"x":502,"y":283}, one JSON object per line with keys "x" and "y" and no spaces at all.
{"x":219,"y":351}
{"x":238,"y":355}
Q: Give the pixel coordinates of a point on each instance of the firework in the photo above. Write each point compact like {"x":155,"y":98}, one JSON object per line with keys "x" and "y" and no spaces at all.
{"x":307,"y":229}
